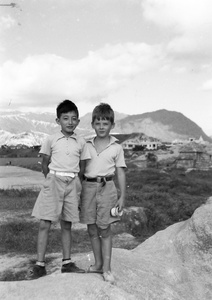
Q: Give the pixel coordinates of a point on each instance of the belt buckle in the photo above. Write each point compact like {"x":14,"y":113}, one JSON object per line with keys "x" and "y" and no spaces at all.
{"x":99,"y":179}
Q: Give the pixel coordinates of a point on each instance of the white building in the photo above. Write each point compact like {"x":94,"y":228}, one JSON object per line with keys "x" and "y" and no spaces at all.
{"x":130,"y":144}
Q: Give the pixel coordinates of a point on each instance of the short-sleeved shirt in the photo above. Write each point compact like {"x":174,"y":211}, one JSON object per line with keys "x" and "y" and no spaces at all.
{"x":65,"y":152}
{"x":105,"y":162}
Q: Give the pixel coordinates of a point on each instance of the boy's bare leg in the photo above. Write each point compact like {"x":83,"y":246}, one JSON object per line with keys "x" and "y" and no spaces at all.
{"x":106,"y":241}
{"x":96,"y":246}
{"x":42,"y":242}
{"x":66,"y":238}
{"x":67,"y":265}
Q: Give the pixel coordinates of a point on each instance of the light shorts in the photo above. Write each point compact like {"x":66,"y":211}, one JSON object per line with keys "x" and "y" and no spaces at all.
{"x":96,"y":203}
{"x":58,"y":199}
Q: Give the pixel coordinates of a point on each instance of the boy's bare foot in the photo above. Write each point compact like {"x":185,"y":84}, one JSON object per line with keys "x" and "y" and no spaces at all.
{"x":108,"y":276}
{"x":92,"y":269}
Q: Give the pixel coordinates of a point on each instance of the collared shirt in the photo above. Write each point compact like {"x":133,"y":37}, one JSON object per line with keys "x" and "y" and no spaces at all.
{"x":105,"y":162}
{"x":65,"y":152}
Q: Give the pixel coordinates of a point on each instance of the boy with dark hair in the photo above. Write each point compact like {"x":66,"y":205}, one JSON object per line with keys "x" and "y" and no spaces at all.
{"x":64,"y":155}
{"x":99,"y":194}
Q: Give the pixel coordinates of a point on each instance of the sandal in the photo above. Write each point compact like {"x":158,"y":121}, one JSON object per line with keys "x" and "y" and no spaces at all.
{"x":92,"y":270}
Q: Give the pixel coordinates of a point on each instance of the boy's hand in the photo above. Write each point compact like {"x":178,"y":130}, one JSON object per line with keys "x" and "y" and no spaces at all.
{"x":120,"y":203}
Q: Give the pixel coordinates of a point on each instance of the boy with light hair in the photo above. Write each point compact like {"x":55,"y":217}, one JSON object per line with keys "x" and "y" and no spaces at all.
{"x":99,"y":194}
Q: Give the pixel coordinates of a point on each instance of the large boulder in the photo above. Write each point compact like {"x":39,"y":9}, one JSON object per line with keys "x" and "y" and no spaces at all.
{"x":174,"y":264}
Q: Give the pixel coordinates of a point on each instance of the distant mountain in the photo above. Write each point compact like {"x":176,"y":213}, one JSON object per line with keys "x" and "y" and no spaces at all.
{"x":29,"y":139}
{"x":31,"y":128}
{"x":17,"y":122}
{"x":162,"y":124}
{"x":22,"y":128}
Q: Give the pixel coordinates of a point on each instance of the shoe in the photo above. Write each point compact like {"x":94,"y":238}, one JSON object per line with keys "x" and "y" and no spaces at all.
{"x":36,"y":272}
{"x":91,"y":269}
{"x":108,"y":276}
{"x":71,"y":268}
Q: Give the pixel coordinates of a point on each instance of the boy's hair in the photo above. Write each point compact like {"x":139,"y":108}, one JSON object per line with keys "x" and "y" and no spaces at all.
{"x":65,"y":107}
{"x":104,"y":111}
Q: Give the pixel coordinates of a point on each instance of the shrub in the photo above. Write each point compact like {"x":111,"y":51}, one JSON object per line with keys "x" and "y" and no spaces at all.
{"x":168,"y":197}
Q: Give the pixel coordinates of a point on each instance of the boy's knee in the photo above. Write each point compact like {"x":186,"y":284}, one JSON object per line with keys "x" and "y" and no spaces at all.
{"x":44,"y":225}
{"x":104,"y":233}
{"x":93,"y":232}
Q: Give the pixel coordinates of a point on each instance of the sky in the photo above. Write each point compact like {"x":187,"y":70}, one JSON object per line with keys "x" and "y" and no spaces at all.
{"x":137,"y":55}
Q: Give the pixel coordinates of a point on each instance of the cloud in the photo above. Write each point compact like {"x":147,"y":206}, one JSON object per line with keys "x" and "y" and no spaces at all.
{"x":188,"y":22}
{"x":6,"y":22}
{"x":47,"y":77}
{"x":207,"y":86}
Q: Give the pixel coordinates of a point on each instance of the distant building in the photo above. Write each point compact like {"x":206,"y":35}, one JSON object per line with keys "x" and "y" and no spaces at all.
{"x":129,"y":145}
{"x":149,"y":145}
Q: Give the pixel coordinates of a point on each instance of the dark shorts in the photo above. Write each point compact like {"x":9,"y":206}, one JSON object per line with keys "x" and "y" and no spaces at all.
{"x":58,"y":199}
{"x":96,"y":203}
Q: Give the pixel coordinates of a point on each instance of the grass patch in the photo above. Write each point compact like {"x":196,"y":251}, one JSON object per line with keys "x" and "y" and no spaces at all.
{"x":17,"y":199}
{"x":20,"y":237}
{"x":168,"y":197}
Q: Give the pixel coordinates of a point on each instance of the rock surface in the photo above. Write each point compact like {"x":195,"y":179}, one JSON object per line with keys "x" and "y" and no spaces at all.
{"x":174,"y":264}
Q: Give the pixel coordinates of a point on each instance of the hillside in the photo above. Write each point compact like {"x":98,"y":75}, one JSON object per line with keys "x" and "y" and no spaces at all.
{"x":162,"y":124}
{"x":167,"y":126}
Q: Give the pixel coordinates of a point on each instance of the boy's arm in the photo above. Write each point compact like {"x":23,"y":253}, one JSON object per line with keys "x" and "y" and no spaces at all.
{"x":82,"y":165}
{"x":122,"y":186}
{"x":45,"y":164}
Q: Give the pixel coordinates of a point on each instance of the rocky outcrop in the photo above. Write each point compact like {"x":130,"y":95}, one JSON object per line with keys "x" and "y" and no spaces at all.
{"x":174,"y":264}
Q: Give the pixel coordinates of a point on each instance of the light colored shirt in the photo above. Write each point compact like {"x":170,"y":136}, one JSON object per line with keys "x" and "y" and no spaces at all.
{"x":105,"y":162}
{"x":65,"y":152}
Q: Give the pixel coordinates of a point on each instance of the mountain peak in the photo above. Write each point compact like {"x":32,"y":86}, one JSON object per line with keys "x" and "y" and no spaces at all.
{"x":162,"y":124}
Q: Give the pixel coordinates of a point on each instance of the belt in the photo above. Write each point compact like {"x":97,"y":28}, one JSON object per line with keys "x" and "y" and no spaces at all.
{"x":98,"y":179}
{"x":63,"y":173}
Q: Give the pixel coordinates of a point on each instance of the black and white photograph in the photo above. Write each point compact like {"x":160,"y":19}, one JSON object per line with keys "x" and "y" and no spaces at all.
{"x":106,"y":149}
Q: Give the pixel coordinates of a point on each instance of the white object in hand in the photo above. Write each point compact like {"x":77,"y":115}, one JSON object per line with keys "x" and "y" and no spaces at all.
{"x":115,"y":212}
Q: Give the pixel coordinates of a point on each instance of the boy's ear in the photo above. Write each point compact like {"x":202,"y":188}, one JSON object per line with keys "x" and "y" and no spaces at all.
{"x":113,"y":125}
{"x":57,"y":121}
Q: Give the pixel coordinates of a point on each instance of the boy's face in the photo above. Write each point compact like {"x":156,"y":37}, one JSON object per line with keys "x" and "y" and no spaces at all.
{"x":102,"y":127}
{"x":68,"y":122}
